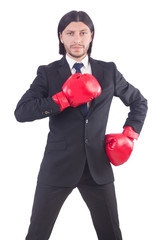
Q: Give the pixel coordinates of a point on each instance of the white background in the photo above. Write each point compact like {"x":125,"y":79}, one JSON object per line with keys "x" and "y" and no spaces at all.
{"x":126,"y":33}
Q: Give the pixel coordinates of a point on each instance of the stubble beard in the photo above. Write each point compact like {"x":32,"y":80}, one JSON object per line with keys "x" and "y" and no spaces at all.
{"x":76,"y":56}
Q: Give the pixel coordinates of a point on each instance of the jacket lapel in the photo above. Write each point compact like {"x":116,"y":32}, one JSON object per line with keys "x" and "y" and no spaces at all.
{"x":64,"y":70}
{"x":97,"y":72}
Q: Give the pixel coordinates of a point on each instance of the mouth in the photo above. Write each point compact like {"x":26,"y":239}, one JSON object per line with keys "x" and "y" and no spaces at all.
{"x":77,"y":48}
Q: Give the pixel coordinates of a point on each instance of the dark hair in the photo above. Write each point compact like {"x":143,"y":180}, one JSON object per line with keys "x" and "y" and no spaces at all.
{"x":74,"y":16}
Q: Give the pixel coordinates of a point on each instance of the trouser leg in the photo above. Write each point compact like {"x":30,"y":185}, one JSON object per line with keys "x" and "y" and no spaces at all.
{"x":48,"y":201}
{"x":101,"y":201}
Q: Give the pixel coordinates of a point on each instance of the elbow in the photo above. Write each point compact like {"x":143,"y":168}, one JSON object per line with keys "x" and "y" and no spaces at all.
{"x":146,"y":106}
{"x":18,"y":116}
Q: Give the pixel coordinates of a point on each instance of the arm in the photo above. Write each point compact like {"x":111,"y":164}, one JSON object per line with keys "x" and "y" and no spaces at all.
{"x":132,"y":98}
{"x":119,"y":146}
{"x":35,"y":103}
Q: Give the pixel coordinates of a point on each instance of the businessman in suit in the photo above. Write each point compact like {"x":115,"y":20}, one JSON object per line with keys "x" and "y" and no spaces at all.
{"x":75,"y":154}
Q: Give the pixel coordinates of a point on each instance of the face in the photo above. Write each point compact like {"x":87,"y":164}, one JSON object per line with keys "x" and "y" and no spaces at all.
{"x":76,"y":38}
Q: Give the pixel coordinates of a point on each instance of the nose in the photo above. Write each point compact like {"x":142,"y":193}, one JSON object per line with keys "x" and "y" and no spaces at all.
{"x":77,"y":38}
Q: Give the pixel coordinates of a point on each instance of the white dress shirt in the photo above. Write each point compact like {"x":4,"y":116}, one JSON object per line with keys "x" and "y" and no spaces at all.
{"x":85,"y":69}
{"x":86,"y":65}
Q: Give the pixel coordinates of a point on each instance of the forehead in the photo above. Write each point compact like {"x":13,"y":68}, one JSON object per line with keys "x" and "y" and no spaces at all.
{"x":76,"y":26}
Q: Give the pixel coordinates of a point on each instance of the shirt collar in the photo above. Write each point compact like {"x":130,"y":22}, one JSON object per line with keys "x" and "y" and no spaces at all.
{"x":71,"y":61}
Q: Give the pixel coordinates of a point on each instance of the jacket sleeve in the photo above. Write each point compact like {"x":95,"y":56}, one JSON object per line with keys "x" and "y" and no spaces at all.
{"x":132,"y":98}
{"x":35,"y":103}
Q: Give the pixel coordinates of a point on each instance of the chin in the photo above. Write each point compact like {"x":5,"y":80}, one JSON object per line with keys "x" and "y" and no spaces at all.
{"x":78,"y":55}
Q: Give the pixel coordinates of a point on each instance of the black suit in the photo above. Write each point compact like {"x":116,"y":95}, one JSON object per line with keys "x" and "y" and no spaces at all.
{"x":75,"y":139}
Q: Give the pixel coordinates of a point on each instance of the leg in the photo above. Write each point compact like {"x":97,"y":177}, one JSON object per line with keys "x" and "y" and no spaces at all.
{"x":101,"y":201}
{"x":48,"y":201}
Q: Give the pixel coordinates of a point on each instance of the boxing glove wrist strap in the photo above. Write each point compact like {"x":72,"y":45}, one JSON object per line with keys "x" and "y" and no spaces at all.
{"x":129,"y":132}
{"x":61,"y":100}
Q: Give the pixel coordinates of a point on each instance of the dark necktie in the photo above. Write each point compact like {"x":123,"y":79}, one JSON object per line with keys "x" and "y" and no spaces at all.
{"x":78,"y":67}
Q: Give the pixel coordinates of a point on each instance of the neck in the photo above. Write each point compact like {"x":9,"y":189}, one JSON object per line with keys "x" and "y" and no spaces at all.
{"x":77,"y":59}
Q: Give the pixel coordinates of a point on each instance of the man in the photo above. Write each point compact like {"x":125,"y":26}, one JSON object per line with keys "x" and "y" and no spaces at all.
{"x":76,"y":93}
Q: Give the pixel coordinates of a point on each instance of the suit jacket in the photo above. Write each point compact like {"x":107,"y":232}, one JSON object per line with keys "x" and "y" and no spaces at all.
{"x":73,"y":138}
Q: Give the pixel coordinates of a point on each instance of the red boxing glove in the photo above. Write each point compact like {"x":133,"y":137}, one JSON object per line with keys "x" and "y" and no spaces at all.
{"x":119,"y":146}
{"x":78,"y":89}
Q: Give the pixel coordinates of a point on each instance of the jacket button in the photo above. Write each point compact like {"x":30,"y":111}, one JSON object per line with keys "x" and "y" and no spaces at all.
{"x":86,"y":120}
{"x":86,"y":140}
{"x":46,"y":112}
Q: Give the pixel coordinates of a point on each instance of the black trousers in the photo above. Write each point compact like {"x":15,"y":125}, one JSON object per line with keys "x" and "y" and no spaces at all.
{"x":100,"y":199}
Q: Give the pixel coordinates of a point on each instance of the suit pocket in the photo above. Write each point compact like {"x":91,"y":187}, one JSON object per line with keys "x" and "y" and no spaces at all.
{"x":61,"y":145}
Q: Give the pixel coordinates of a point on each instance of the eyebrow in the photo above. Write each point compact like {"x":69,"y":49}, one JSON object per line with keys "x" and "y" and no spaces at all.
{"x":74,"y":31}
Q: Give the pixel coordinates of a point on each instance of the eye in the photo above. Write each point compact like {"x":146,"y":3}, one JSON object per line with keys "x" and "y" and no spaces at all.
{"x":83,"y":33}
{"x":70,"y":33}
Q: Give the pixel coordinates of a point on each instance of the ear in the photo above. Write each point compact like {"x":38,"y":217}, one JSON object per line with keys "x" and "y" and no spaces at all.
{"x":61,"y":39}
